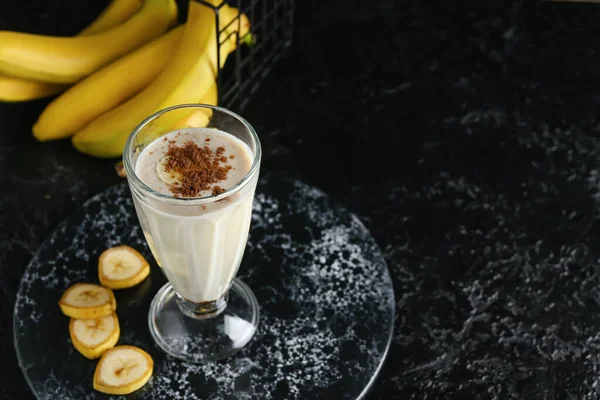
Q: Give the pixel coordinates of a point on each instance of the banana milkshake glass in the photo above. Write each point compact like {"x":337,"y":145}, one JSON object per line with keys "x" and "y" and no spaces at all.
{"x":192,"y":170}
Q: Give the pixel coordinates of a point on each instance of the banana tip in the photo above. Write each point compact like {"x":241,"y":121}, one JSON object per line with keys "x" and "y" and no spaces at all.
{"x":44,"y":136}
{"x":91,"y":149}
{"x":39,"y":135}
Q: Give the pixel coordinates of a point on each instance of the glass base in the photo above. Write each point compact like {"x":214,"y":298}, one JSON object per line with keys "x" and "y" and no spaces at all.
{"x":208,"y":337}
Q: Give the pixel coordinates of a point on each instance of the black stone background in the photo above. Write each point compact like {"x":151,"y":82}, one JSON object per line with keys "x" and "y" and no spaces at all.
{"x":464,"y":134}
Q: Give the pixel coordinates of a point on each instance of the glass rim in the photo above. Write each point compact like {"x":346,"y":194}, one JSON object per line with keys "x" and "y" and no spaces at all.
{"x":139,"y":184}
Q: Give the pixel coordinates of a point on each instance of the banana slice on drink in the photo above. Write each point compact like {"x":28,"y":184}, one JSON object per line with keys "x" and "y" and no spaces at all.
{"x":87,"y":301}
{"x":122,"y":267}
{"x":92,"y":337}
{"x":169,"y":177}
{"x":123,"y":370}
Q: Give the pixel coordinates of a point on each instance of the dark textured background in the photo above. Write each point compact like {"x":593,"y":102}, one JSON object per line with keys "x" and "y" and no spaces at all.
{"x":464,"y":135}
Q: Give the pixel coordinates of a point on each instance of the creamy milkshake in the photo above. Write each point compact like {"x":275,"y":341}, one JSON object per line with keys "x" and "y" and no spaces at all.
{"x":192,"y":170}
{"x":199,"y":245}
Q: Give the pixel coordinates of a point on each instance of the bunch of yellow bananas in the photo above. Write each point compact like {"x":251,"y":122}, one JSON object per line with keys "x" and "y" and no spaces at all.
{"x":127,"y":64}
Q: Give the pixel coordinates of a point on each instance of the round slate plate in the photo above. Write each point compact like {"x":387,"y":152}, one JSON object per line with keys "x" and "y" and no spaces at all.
{"x":326,"y":298}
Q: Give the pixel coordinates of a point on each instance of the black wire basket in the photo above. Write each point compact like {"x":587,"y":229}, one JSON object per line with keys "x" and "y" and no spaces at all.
{"x":272,"y":23}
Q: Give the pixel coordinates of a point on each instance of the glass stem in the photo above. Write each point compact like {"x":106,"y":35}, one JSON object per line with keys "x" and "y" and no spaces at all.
{"x":204,"y":310}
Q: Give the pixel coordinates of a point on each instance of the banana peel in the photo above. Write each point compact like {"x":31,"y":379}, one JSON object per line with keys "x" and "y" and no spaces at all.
{"x":192,"y":72}
{"x":68,"y":59}
{"x":106,"y":88}
{"x":13,"y":89}
{"x":117,"y":12}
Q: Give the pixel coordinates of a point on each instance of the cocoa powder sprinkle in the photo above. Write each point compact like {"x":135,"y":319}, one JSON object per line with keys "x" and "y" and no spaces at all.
{"x":217,"y":190}
{"x":200,"y":168}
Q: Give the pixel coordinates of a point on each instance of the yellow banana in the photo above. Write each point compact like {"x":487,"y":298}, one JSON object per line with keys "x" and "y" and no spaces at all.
{"x":185,"y":79}
{"x":117,"y":12}
{"x":17,"y":89}
{"x":211,"y":96}
{"x":13,"y":89}
{"x":199,"y":118}
{"x":68,"y":59}
{"x":106,"y":88}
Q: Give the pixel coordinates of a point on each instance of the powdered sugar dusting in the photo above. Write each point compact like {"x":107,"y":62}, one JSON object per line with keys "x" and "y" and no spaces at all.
{"x":324,"y":291}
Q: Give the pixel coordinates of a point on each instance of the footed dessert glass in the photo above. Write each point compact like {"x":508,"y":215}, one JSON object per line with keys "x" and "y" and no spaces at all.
{"x":203,"y":313}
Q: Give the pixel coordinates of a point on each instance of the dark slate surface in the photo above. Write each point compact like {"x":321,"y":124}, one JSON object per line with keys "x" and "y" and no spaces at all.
{"x":464,"y":135}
